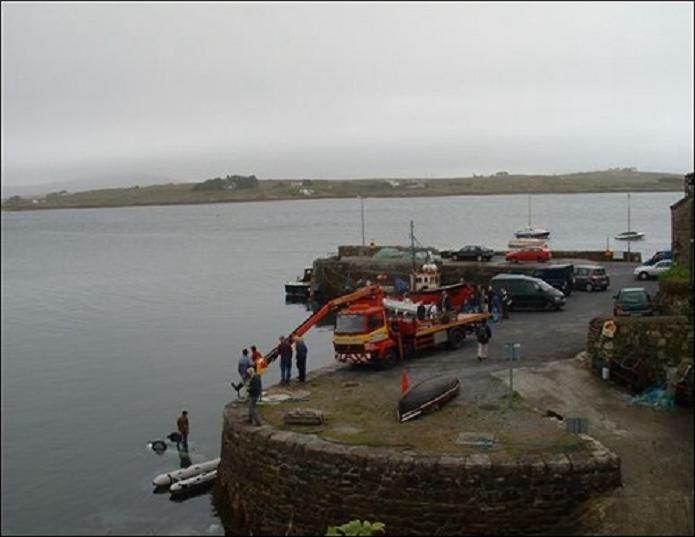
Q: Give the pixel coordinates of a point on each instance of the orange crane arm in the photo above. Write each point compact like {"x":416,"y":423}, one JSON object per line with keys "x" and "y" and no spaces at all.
{"x":328,"y":307}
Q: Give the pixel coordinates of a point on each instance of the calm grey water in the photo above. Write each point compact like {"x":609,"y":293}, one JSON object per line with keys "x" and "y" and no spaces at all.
{"x":114,"y":320}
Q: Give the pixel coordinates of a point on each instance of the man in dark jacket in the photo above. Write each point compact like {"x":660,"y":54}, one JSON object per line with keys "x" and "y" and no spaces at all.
{"x":506,"y":302}
{"x":484,"y":335}
{"x":285,"y":350}
{"x":255,"y":388}
{"x":182,"y":426}
{"x":300,"y":355}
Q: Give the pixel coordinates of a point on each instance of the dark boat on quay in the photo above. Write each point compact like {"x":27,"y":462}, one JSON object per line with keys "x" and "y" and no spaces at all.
{"x":427,"y":395}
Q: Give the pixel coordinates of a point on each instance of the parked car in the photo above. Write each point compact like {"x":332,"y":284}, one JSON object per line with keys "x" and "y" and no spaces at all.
{"x":530,"y":253}
{"x":633,"y":301}
{"x":591,"y":278}
{"x":659,"y":256}
{"x":527,"y":292}
{"x":473,"y":253}
{"x":559,"y":276}
{"x":644,"y":272}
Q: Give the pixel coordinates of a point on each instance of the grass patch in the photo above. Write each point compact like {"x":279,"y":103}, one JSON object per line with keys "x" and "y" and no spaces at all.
{"x":366,"y":415}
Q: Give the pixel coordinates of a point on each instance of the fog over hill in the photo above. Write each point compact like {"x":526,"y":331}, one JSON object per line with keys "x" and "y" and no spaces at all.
{"x":120,"y":94}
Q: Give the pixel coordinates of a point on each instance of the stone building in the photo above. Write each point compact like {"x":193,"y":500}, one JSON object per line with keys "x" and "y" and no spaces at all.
{"x":682,"y":226}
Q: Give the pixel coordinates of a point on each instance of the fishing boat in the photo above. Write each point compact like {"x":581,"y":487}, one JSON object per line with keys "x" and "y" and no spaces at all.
{"x":629,"y":235}
{"x":165,"y":480}
{"x":426,"y":288}
{"x":530,"y":232}
{"x":427,"y":395}
{"x":193,"y":483}
{"x":300,"y":289}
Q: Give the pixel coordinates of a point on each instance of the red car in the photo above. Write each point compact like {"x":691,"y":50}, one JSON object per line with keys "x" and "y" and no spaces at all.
{"x":531,"y":253}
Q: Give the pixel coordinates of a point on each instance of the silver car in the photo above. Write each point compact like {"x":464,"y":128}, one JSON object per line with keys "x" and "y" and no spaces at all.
{"x":644,"y":272}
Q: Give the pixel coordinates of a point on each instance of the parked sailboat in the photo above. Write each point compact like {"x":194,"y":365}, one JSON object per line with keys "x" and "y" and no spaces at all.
{"x":530,"y":232}
{"x":629,"y":235}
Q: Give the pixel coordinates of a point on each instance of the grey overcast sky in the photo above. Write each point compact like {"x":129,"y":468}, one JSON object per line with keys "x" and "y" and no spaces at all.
{"x":136,"y":93}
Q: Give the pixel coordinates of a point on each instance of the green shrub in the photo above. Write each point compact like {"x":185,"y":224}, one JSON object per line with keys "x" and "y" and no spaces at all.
{"x":357,"y":527}
{"x":675,"y":281}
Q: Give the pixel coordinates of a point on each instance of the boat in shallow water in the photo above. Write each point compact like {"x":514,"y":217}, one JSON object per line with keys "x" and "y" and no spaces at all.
{"x":630,"y":236}
{"x":193,"y":483}
{"x":427,"y":395}
{"x":164,"y":480}
{"x":532,"y":233}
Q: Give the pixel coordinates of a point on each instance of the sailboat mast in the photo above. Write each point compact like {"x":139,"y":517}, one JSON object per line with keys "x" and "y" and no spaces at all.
{"x":628,"y":226}
{"x":412,"y":248}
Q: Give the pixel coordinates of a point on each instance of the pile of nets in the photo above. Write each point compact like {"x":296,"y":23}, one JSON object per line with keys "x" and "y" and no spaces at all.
{"x":656,"y":397}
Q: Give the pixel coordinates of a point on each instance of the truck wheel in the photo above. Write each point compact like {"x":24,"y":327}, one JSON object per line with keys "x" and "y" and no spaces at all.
{"x":389,"y":360}
{"x":479,"y":258}
{"x":589,"y":288}
{"x":456,"y":337}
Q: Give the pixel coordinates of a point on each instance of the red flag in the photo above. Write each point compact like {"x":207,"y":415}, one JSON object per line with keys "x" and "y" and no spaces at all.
{"x":405,"y":383}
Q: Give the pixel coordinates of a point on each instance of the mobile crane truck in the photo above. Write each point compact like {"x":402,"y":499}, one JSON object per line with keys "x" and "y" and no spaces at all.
{"x":371,"y":329}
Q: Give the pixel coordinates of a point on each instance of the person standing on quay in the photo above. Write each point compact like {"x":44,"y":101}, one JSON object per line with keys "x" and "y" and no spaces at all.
{"x":183,"y":427}
{"x":484,"y":335}
{"x":244,"y":364}
{"x":300,"y":355}
{"x":255,"y":390}
{"x":285,"y":350}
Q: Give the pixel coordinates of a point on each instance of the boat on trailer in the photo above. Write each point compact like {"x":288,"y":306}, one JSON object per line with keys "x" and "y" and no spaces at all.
{"x":427,"y":395}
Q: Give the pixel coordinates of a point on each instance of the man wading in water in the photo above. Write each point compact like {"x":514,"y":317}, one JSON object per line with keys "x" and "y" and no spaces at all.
{"x":183,"y":427}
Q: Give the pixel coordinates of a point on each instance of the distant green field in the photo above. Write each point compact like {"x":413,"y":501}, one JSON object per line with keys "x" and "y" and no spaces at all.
{"x":619,"y":180}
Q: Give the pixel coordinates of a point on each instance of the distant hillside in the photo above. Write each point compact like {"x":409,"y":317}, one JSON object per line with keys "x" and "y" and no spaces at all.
{"x":236,"y":188}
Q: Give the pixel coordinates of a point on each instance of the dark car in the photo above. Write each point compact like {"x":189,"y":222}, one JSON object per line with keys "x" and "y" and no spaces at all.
{"x":591,"y":278}
{"x":473,"y":253}
{"x":528,"y":293}
{"x":633,"y":301}
{"x":559,"y":276}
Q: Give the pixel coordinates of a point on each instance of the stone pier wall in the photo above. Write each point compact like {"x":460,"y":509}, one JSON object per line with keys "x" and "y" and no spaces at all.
{"x":271,"y":480}
{"x":663,"y":340}
{"x":337,"y":275}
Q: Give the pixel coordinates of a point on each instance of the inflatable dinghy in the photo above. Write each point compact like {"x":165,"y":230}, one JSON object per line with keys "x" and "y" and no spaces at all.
{"x":164,"y":480}
{"x":186,"y":485}
{"x":427,"y":395}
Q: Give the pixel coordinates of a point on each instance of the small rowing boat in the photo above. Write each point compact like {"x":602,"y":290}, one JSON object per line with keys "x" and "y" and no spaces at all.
{"x":427,"y":395}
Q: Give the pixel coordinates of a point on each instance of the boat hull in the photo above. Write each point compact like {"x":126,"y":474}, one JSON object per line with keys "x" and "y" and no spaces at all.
{"x":631,"y":237}
{"x":427,"y":395}
{"x":164,"y":480}
{"x":297,"y":290}
{"x":532,"y":234}
{"x":193,"y":483}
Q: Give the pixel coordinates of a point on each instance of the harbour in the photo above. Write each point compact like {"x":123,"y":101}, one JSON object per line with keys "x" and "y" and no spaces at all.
{"x":148,"y":308}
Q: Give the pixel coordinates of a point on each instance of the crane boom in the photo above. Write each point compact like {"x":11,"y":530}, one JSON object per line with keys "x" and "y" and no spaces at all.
{"x":375,"y":291}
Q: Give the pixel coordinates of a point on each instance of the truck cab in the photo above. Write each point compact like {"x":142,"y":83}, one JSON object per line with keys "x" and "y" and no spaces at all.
{"x":361,"y":334}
